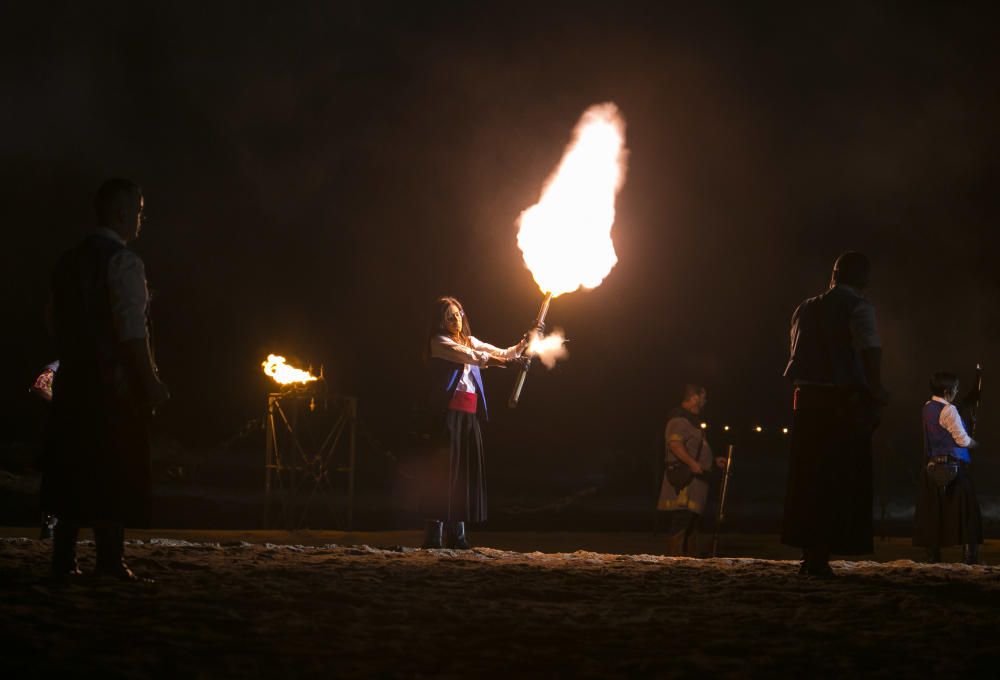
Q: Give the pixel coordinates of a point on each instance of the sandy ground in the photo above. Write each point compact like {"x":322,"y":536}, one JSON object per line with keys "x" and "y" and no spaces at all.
{"x":266,"y":604}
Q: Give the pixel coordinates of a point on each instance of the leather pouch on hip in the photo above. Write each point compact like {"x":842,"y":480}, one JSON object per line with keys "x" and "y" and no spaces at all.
{"x":943,"y":470}
{"x":679,"y":475}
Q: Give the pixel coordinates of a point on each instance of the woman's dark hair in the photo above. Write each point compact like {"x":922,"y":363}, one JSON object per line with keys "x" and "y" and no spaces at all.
{"x":943,"y":382}
{"x":436,"y":326}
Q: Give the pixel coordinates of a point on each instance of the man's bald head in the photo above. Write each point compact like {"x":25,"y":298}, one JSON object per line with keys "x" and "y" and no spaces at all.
{"x":852,"y":269}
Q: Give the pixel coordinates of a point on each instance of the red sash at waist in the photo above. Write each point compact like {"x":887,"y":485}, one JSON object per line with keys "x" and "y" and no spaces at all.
{"x":463,"y":401}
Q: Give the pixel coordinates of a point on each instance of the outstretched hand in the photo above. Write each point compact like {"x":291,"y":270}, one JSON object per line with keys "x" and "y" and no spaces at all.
{"x":537,"y":329}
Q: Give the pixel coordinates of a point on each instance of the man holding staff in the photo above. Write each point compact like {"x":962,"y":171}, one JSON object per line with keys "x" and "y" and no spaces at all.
{"x":689,"y":458}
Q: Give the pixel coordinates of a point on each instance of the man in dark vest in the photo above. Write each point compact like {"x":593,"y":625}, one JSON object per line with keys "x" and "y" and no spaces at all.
{"x":96,"y":470}
{"x":835,"y":369}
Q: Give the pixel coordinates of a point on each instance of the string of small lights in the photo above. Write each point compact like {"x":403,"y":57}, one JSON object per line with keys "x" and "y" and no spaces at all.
{"x":758,"y":429}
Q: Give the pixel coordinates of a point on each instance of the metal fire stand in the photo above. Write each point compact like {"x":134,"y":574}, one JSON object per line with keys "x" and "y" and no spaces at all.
{"x":309,"y":458}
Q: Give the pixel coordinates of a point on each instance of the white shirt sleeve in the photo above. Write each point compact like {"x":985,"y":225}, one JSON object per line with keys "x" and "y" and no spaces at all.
{"x":864,"y":332}
{"x":129,"y":295}
{"x":951,"y":421}
{"x":443,"y":347}
{"x":481,"y":346}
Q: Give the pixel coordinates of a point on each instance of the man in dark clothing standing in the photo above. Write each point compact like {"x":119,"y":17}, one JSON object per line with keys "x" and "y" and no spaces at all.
{"x":96,"y":470}
{"x":835,"y":369}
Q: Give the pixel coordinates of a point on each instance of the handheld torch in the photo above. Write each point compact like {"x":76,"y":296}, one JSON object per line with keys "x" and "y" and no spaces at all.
{"x":522,"y":373}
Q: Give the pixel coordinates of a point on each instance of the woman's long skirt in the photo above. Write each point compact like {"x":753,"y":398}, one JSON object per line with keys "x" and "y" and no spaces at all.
{"x":456,"y":478}
{"x":947,"y":518}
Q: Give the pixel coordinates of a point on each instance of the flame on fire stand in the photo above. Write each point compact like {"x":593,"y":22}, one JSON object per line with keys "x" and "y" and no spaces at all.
{"x":283,"y":374}
{"x":547,"y":348}
{"x":566,"y":237}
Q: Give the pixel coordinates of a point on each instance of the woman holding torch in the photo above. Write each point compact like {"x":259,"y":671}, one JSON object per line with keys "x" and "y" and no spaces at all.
{"x":457,"y":475}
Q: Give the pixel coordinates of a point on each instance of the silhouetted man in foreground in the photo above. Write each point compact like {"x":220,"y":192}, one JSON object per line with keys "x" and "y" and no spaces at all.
{"x":96,"y":470}
{"x":834,"y":367}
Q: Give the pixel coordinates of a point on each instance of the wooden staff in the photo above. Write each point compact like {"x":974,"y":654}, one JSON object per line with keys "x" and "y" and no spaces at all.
{"x":974,"y":411}
{"x":722,"y":499}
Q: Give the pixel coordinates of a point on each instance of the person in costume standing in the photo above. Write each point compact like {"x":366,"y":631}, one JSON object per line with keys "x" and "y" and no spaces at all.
{"x":947,"y":511}
{"x":689,"y":460}
{"x":457,"y":468}
{"x":96,"y":468}
{"x":835,"y":369}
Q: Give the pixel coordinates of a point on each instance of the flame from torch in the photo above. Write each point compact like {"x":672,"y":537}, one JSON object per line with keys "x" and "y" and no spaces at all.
{"x":283,"y":374}
{"x":566,"y":237}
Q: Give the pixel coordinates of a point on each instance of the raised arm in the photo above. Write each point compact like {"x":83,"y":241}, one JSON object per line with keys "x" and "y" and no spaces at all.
{"x":508,"y":353}
{"x":443,"y":347}
{"x":951,"y":421}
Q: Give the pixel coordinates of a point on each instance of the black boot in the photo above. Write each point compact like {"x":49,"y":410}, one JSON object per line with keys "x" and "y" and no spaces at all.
{"x":110,"y":542}
{"x":433,"y":538}
{"x":64,"y":551}
{"x":456,"y":536}
{"x":816,"y":562}
{"x":970,"y":553}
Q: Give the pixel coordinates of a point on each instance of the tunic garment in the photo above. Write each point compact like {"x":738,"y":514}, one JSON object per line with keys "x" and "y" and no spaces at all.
{"x":96,"y":466}
{"x":693,"y":497}
{"x":828,"y":503}
{"x":829,"y":496}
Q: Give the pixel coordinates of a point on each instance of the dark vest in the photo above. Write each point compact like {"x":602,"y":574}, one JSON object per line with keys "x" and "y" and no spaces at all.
{"x":937,"y":440}
{"x":444,"y":379}
{"x":822,"y":350}
{"x":85,"y":336}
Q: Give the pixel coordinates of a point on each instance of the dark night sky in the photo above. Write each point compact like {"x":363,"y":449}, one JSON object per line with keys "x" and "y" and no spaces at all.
{"x":316,"y":174}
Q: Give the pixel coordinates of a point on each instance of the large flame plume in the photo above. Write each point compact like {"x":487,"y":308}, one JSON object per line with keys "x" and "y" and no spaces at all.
{"x":566,"y":236}
{"x":283,"y":374}
{"x":547,"y":348}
